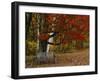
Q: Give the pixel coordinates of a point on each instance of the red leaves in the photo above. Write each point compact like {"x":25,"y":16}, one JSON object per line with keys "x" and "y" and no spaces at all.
{"x":43,"y":37}
{"x":51,"y":18}
{"x":71,"y":26}
{"x":64,"y":41}
{"x":65,"y":27}
{"x":75,"y":36}
{"x":72,"y":21}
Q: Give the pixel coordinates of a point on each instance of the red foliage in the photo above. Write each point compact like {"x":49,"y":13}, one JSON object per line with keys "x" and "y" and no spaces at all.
{"x":43,"y":37}
{"x":50,"y":18}
{"x":75,"y":36}
{"x":64,"y":41}
{"x":63,"y":22}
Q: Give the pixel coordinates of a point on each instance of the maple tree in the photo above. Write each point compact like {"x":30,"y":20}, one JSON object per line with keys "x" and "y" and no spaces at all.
{"x":73,"y":27}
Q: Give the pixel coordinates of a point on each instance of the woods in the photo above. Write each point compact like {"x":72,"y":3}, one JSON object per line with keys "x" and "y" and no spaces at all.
{"x":69,"y":33}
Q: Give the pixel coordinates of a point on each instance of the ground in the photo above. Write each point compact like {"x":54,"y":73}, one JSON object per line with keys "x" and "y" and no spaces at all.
{"x":75,"y":58}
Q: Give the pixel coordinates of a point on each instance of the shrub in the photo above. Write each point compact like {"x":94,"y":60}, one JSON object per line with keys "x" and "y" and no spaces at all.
{"x":31,"y":47}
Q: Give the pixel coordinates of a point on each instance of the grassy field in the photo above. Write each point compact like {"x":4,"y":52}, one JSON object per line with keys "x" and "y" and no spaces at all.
{"x":75,"y":58}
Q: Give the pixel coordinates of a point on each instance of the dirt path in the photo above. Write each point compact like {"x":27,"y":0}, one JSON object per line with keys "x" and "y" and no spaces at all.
{"x":76,"y":58}
{"x":80,"y":57}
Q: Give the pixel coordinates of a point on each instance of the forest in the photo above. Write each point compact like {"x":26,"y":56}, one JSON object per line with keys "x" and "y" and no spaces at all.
{"x":69,"y":35}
